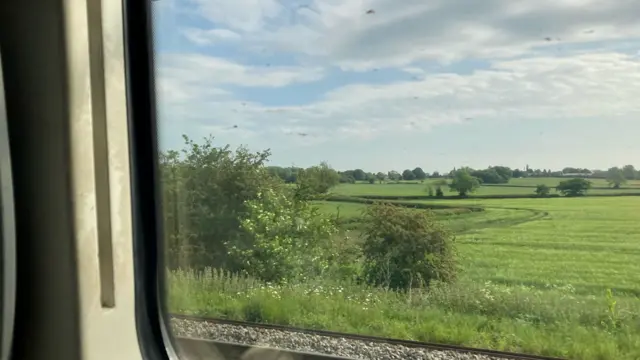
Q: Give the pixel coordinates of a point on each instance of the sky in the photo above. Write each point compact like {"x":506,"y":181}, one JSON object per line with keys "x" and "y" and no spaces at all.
{"x":394,"y":84}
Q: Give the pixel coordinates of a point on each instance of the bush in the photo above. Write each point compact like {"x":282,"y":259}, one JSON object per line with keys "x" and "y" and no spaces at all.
{"x":574,"y":187}
{"x":204,"y":190}
{"x":439,"y":192}
{"x":404,"y":248}
{"x":542,"y":190}
{"x":289,"y":238}
{"x":429,"y":190}
{"x":315,"y":181}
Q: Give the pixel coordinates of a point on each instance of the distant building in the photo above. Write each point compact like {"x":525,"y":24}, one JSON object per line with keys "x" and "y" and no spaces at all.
{"x":585,"y":174}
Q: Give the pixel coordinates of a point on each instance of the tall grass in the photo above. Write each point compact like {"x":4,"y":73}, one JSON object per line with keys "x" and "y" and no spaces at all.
{"x":553,"y":321}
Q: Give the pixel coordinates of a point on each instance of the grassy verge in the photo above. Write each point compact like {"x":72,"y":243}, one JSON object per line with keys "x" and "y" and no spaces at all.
{"x":554,"y":321}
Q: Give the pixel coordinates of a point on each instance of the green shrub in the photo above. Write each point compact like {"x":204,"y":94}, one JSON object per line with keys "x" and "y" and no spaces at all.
{"x":404,"y":248}
{"x":542,"y":190}
{"x":574,"y":187}
{"x":204,"y":190}
{"x":429,"y":190}
{"x":289,"y":238}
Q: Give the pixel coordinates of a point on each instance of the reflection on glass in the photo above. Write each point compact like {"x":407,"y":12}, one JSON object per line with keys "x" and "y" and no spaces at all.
{"x":457,"y":172}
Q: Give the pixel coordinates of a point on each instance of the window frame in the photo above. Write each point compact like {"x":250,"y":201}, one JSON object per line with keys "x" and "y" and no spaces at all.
{"x":7,"y":232}
{"x":154,"y":336}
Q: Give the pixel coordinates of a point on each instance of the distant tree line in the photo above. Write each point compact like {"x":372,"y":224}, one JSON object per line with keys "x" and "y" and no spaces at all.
{"x":490,"y":175}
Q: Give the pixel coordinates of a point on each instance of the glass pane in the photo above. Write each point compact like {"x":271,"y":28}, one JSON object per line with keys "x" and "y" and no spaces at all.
{"x":451,"y":172}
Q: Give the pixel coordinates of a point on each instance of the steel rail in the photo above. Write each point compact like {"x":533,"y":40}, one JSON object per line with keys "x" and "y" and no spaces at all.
{"x":367,"y":338}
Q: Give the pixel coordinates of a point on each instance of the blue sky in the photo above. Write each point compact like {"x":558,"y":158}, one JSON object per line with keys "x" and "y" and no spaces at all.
{"x":433,"y":84}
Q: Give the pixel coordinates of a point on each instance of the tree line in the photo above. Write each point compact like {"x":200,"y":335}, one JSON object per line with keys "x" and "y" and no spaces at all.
{"x":490,"y":175}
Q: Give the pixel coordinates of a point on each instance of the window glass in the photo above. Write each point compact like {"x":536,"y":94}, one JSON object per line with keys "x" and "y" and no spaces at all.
{"x":450,"y":172}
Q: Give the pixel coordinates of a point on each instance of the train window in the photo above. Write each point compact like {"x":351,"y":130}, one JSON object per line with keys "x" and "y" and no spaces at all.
{"x":381,"y":179}
{"x":7,"y":234}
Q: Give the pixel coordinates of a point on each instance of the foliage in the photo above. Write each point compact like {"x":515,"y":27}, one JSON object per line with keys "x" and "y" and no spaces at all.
{"x":523,"y":319}
{"x":394,"y":175}
{"x":419,"y":174}
{"x":542,"y":190}
{"x":226,"y":209}
{"x":463,"y":183}
{"x":288,"y":174}
{"x":630,"y":172}
{"x":405,"y":248}
{"x":615,"y":177}
{"x":493,"y":175}
{"x":288,"y":238}
{"x":408,"y":175}
{"x":429,"y":190}
{"x":346,"y":179}
{"x":574,"y":187}
{"x":359,"y":174}
{"x":315,"y":181}
{"x":204,"y":191}
{"x":504,"y":172}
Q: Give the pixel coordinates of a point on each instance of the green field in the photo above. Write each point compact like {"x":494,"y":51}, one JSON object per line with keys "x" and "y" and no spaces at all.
{"x":557,"y":276}
{"x":524,"y":186}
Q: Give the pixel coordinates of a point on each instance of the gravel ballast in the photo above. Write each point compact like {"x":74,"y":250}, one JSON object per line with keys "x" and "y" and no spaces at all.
{"x":356,"y":349}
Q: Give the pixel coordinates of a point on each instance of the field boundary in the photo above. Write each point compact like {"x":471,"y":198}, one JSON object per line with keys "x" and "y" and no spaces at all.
{"x":534,"y":186}
{"x":369,"y":201}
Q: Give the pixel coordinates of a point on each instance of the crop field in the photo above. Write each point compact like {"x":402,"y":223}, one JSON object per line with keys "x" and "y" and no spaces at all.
{"x":550,"y":276}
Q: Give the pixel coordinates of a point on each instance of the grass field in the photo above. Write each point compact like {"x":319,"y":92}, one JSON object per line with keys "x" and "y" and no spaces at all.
{"x":556,"y":277}
{"x":524,"y":186}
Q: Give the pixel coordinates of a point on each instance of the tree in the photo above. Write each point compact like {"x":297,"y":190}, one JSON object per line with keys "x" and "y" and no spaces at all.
{"x":345,"y":178}
{"x":574,"y":187}
{"x":404,"y":248}
{"x":463,"y":183}
{"x":394,"y":175}
{"x":381,"y":177}
{"x":517,"y":173}
{"x":287,"y":174}
{"x":316,"y":180}
{"x":419,"y":173}
{"x":205,"y":190}
{"x":408,"y":175}
{"x":504,"y":172}
{"x":542,"y":190}
{"x":489,"y":176}
{"x":616,"y":177}
{"x":359,"y":174}
{"x":630,"y":172}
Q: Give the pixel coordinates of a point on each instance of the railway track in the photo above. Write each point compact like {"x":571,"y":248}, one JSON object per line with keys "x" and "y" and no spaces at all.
{"x":249,"y":345}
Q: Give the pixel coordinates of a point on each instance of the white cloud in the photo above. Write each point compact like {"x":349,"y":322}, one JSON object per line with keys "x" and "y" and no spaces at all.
{"x":243,"y":15}
{"x":209,"y":37}
{"x":218,"y":71}
{"x":397,"y":34}
{"x":595,"y":86}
